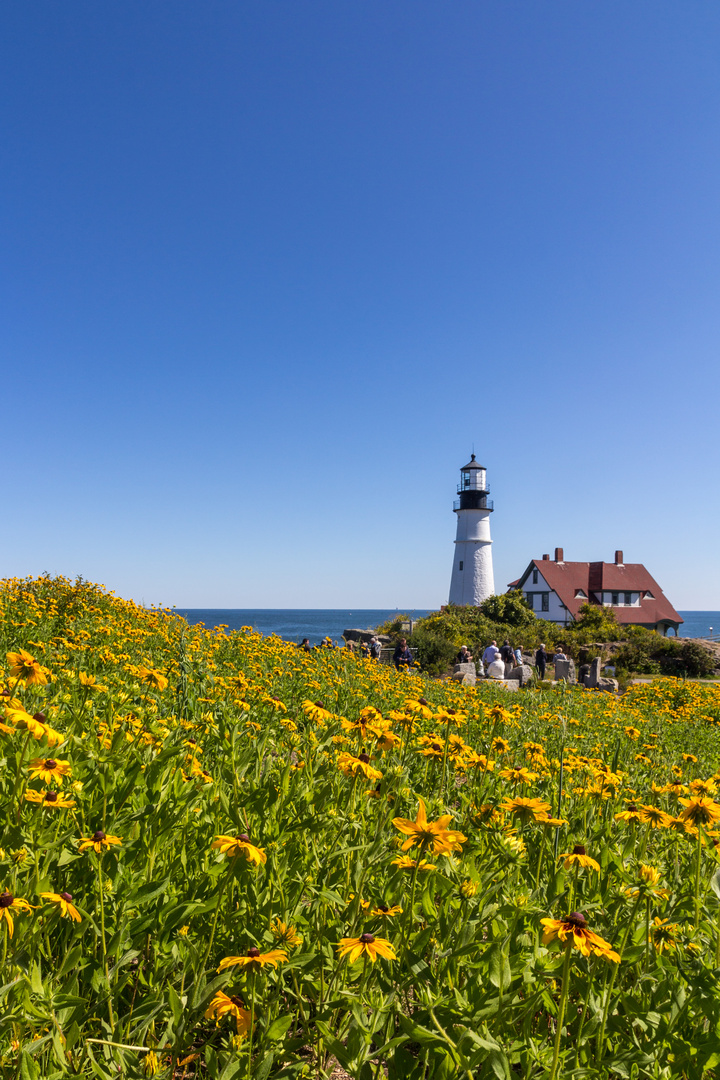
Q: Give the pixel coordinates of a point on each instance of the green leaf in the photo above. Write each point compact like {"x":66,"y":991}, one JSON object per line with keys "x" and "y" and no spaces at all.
{"x":70,"y":960}
{"x":28,"y":1067}
{"x":36,"y":979}
{"x":715,"y":883}
{"x":279,"y":1026}
{"x":175,"y":1005}
{"x":499,"y":971}
{"x":263,"y":1069}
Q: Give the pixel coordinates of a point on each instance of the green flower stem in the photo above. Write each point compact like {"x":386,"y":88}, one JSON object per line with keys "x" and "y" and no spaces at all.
{"x":583,"y":1015}
{"x":445,"y":754}
{"x":221,"y":891}
{"x":600,"y":1044}
{"x":252,"y":1023}
{"x":698,"y":863}
{"x":409,"y":919}
{"x":102,"y":941}
{"x":561,"y":1010}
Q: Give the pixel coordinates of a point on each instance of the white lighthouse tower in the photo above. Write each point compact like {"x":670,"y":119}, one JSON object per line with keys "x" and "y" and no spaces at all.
{"x":472,"y":573}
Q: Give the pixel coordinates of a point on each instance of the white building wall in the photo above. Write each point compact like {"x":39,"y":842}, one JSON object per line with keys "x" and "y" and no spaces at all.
{"x":556,"y":613}
{"x":473,"y":549}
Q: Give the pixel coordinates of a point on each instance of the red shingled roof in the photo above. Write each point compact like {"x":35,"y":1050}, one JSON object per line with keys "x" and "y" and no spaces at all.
{"x":566,"y":578}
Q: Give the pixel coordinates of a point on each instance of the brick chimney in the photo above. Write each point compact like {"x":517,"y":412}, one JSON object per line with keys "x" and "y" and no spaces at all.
{"x":619,"y":558}
{"x":559,"y":555}
{"x":546,"y":558}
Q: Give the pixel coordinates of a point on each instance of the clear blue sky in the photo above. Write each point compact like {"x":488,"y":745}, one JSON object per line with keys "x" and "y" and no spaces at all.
{"x":271,"y":269}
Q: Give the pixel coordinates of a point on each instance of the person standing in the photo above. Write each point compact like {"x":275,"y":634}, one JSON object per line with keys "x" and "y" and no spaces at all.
{"x":491,"y":654}
{"x":375,"y":648}
{"x":305,"y":645}
{"x":402,"y":657}
{"x":541,"y":659}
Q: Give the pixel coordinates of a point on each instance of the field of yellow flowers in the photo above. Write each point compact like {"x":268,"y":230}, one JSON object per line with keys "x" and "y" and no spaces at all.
{"x":223,"y":857}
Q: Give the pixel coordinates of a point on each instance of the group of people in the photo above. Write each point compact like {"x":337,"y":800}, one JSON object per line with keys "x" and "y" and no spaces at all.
{"x":510,"y":657}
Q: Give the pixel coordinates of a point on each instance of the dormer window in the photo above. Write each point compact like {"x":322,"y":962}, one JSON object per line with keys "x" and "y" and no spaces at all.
{"x":648,"y":595}
{"x":535,"y":577}
{"x":581,"y":594}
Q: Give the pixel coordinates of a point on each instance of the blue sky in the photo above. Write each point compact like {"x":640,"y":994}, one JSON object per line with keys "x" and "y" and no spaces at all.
{"x":271,"y":270}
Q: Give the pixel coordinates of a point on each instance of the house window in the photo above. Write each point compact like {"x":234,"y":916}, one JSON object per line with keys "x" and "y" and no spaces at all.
{"x":615,"y":599}
{"x":649,"y":595}
{"x":535,"y":577}
{"x":546,"y":601}
{"x":581,"y":594}
{"x":530,"y":599}
{"x":461,"y":564}
{"x":628,"y":598}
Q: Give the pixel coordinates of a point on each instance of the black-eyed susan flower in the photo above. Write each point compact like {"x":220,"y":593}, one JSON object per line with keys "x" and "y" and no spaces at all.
{"x":26,"y":669}
{"x":10,"y":903}
{"x":648,"y":884}
{"x":286,"y":935}
{"x":37,"y":726}
{"x":663,"y":934}
{"x":405,"y":862}
{"x":518,"y":775}
{"x":579,"y":857}
{"x":654,"y":816}
{"x":99,"y":842}
{"x":700,"y":811}
{"x":630,"y":814}
{"x":367,"y":945}
{"x":233,"y":846}
{"x":63,"y":902}
{"x":254,"y":959}
{"x":526,"y":809}
{"x":574,"y":928}
{"x":703,"y":787}
{"x":426,"y":834}
{"x":53,"y":800}
{"x":152,"y":678}
{"x":360,"y":766}
{"x":229,"y":1005}
{"x":49,"y":770}
{"x":384,"y":911}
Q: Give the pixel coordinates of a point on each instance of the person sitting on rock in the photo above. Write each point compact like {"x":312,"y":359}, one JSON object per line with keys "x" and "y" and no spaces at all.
{"x":464,"y":656}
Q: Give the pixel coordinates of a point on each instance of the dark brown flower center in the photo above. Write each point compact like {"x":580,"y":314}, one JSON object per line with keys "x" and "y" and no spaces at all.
{"x":244,"y":837}
{"x":451,"y":711}
{"x":236,"y":1001}
{"x":50,"y":763}
{"x":319,"y":704}
{"x":98,"y":835}
{"x":253,"y":952}
{"x":40,"y":717}
{"x":435,"y":746}
{"x":67,"y":897}
{"x":6,"y":899}
{"x":423,"y":701}
{"x":579,"y":850}
{"x":632,"y":807}
{"x":51,"y":796}
{"x":365,"y":758}
{"x":367,"y":939}
{"x":383,"y":907}
{"x":576,"y":919}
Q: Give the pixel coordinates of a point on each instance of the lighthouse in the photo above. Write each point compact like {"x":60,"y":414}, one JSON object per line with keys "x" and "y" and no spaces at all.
{"x":472,"y":573}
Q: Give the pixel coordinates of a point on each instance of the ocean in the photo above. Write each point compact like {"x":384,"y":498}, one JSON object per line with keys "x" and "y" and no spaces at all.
{"x":294,"y":624}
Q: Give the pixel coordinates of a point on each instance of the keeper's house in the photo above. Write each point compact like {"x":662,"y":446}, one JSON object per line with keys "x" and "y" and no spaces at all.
{"x":556,"y":590}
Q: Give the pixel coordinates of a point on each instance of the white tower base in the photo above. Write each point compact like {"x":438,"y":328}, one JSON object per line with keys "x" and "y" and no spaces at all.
{"x":472,"y":574}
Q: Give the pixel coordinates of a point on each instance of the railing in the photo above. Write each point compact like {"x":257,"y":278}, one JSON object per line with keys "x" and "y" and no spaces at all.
{"x":487,"y":505}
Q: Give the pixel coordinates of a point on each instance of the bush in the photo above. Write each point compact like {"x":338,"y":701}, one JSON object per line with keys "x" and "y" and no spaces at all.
{"x":435,"y":653}
{"x":650,"y":654}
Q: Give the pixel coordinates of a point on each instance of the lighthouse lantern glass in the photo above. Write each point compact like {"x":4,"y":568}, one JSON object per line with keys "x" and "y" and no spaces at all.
{"x":473,"y":479}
